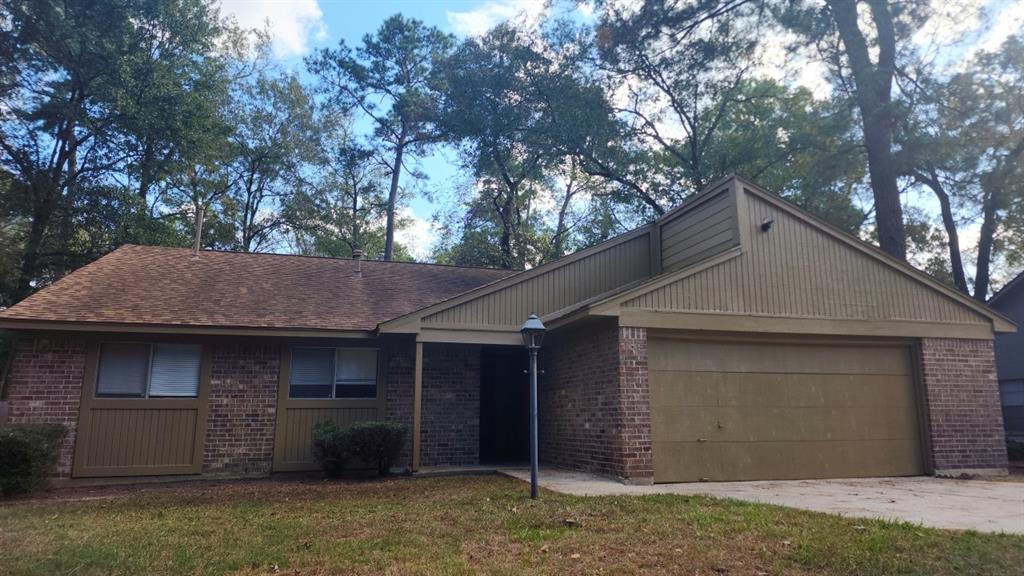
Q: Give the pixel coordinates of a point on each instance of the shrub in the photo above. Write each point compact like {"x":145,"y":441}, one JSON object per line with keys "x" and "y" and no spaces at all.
{"x":28,"y":456}
{"x":329,"y":445}
{"x":375,"y":444}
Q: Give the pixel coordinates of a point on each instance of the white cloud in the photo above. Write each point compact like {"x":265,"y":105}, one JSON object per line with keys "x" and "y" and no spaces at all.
{"x":526,"y":13}
{"x":292,"y":23}
{"x":416,"y":234}
{"x":1005,"y":21}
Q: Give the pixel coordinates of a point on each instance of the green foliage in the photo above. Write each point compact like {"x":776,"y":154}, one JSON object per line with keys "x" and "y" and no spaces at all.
{"x":28,"y":456}
{"x":392,"y":80}
{"x":330,"y":447}
{"x":377,"y":444}
{"x":96,"y":94}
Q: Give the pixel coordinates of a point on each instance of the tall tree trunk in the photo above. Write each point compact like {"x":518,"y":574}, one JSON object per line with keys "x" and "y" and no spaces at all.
{"x":41,"y":217}
{"x":873,"y":87}
{"x":389,"y":238}
{"x":956,"y":261}
{"x":985,"y":239}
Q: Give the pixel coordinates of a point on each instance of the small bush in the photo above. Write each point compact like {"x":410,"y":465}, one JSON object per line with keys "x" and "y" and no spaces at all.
{"x":28,"y":456}
{"x":375,"y":444}
{"x":329,"y":446}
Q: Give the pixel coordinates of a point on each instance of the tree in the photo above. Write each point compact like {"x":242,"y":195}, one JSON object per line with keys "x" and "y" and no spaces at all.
{"x":274,"y":139}
{"x":684,"y":78}
{"x":392,"y":79}
{"x":78,"y":79}
{"x":965,"y":144}
{"x":344,"y":208}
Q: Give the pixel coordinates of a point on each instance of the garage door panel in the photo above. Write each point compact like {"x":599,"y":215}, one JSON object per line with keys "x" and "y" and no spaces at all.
{"x":696,"y":389}
{"x":785,"y":358}
{"x":723,"y":423}
{"x":798,"y":460}
{"x":780,"y":423}
{"x":702,"y":462}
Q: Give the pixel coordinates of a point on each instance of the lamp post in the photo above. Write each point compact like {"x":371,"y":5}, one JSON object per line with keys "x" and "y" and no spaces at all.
{"x":533,"y":335}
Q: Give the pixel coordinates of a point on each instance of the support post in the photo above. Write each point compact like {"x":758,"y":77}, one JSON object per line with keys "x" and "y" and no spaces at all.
{"x":417,"y":407}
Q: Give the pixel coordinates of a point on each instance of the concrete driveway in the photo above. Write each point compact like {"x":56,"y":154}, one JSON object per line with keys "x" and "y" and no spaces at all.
{"x":983,"y":505}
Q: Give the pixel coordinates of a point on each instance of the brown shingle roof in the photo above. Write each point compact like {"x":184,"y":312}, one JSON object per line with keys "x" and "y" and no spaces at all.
{"x":168,"y":286}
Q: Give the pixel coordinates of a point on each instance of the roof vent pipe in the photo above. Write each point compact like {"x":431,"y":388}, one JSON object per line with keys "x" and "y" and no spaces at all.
{"x":200,"y":214}
{"x":357,"y":255}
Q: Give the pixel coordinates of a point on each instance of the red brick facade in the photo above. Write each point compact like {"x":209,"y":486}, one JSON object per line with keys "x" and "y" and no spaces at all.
{"x":594,"y":400}
{"x":451,"y":405}
{"x":45,"y":386}
{"x":243,"y":408}
{"x":399,"y":367}
{"x":594,"y":408}
{"x":964,"y":413}
{"x":635,"y":404}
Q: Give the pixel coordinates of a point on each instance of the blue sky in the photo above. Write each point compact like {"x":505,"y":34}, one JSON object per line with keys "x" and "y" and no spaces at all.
{"x":299,"y":27}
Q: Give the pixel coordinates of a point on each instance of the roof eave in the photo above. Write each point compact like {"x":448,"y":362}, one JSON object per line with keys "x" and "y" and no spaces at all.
{"x":22,"y":324}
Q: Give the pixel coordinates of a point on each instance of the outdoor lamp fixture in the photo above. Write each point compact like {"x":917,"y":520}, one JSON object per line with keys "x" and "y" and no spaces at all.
{"x":533,"y":335}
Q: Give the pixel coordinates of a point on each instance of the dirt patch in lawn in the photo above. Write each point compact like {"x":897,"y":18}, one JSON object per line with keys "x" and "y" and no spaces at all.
{"x":460,"y":525}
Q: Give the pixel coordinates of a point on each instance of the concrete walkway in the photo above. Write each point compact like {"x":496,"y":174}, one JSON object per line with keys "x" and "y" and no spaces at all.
{"x":983,"y":505}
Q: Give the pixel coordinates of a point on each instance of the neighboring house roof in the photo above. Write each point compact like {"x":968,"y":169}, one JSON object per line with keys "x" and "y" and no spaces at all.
{"x":1011,"y":287}
{"x":158,"y":286}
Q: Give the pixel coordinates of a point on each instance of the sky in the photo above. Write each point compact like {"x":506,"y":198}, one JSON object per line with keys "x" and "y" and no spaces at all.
{"x":299,"y":27}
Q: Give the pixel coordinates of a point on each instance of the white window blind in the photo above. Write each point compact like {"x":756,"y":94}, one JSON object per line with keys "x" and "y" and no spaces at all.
{"x":175,"y":370}
{"x":355,"y":373}
{"x":311,"y":373}
{"x":123,"y":370}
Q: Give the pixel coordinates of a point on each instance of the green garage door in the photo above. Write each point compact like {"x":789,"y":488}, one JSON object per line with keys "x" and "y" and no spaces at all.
{"x":738,"y":410}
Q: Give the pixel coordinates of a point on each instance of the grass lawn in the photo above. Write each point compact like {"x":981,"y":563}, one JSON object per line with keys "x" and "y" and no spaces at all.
{"x":483,"y":524}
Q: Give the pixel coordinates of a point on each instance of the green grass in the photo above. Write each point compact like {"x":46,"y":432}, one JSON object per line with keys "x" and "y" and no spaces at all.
{"x":461,"y":525}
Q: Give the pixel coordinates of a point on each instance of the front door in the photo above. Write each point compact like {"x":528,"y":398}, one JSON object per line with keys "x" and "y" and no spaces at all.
{"x":504,"y":405}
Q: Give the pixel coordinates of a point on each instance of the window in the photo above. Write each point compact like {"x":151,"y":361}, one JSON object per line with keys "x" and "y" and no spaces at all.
{"x":130,"y":370}
{"x":322,"y":373}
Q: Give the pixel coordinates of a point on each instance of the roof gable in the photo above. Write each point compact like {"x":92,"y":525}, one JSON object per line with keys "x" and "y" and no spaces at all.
{"x":547,"y":289}
{"x":803,"y":267}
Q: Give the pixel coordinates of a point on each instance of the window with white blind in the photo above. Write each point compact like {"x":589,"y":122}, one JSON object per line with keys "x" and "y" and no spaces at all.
{"x":333,"y":373}
{"x":131,"y":370}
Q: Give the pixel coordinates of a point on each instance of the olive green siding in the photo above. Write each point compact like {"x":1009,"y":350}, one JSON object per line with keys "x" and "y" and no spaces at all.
{"x":796,"y":269}
{"x":552,"y":290}
{"x":695,"y":234}
{"x":771,"y":410}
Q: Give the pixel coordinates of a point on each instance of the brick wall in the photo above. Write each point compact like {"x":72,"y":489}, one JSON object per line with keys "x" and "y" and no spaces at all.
{"x":594,"y":409}
{"x":45,"y":385}
{"x":964,"y":413}
{"x":243,"y":408}
{"x":400,"y":366}
{"x":635,"y":404}
{"x":451,"y":405}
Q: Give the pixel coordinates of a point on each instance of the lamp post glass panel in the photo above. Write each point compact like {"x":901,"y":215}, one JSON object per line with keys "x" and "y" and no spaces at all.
{"x":533,"y":335}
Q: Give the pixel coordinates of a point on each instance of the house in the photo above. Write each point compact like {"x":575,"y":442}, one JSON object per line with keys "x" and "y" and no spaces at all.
{"x":737,"y":337}
{"x":1010,"y":358}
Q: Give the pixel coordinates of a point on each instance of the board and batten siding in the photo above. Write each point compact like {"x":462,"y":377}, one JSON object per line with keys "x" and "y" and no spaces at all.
{"x":696,"y":234}
{"x":558,"y":288}
{"x":798,"y":270}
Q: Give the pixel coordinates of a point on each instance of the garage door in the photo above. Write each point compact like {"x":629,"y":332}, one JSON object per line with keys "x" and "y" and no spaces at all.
{"x":728,"y":410}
